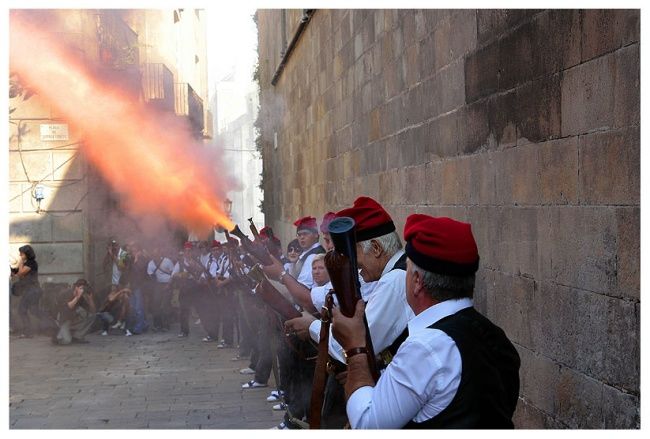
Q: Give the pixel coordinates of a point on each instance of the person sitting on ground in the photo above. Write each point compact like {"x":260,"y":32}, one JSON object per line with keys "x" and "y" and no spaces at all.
{"x":77,"y":316}
{"x":115,"y":311}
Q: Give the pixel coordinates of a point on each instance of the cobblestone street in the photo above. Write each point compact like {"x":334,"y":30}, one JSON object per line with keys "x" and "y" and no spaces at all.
{"x":146,"y":381}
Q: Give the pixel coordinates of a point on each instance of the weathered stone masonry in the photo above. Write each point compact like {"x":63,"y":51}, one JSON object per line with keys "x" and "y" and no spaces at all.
{"x":524,"y":123}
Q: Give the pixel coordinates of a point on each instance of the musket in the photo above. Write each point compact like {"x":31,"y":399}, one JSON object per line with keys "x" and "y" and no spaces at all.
{"x":320,"y":370}
{"x":270,"y":244}
{"x":236,"y":272}
{"x":341,"y":264}
{"x":254,"y":231}
{"x":271,"y":296}
{"x":256,"y":250}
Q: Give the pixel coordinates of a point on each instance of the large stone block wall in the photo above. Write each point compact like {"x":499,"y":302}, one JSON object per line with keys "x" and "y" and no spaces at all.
{"x":57,"y":230}
{"x":524,"y":123}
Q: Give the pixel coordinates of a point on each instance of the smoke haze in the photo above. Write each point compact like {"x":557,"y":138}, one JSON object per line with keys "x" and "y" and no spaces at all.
{"x":148,"y":158}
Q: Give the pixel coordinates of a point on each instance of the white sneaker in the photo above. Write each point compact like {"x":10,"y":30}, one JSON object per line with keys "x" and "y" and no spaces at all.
{"x":252,"y":384}
{"x":281,"y":426}
{"x":280,"y":407}
{"x":128,"y":333}
{"x":247,"y":371}
{"x":104,"y":333}
{"x":198,"y":322}
{"x":116,"y":325}
{"x":275,"y":396}
{"x":123,"y":325}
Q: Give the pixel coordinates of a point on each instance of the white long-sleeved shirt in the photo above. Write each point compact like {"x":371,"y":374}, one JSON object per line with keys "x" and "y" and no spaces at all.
{"x":420,"y":381}
{"x":387,"y":311}
{"x":164,"y":271}
{"x":318,"y":293}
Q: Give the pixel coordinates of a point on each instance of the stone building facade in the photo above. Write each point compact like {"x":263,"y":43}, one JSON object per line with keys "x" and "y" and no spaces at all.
{"x":71,"y":226}
{"x":524,"y":123}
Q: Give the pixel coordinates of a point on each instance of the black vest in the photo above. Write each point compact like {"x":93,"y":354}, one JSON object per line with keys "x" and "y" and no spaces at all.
{"x":297,"y":268}
{"x":489,"y":385}
{"x":400,"y":264}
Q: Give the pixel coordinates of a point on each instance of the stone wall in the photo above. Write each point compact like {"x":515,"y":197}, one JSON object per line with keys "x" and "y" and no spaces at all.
{"x":524,"y":123}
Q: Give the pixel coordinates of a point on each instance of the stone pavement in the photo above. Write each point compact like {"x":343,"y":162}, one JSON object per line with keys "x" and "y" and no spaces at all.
{"x":145,"y":381}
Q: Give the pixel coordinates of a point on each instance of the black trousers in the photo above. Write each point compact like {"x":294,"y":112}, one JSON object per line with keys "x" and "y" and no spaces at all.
{"x":161,"y":302}
{"x":187,"y":299}
{"x":297,"y":374}
{"x":207,"y":309}
{"x":226,"y":311}
{"x":29,"y":303}
{"x":247,"y":322}
{"x":333,"y":413}
{"x":268,"y":334}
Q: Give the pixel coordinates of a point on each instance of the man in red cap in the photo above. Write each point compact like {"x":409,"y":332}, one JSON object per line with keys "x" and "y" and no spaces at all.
{"x":382,"y":265}
{"x":318,"y":293}
{"x":381,"y":261}
{"x":456,"y":369}
{"x":307,"y":233}
{"x":186,"y":273}
{"x":212,"y":301}
{"x":227,"y":304}
{"x":160,"y":270}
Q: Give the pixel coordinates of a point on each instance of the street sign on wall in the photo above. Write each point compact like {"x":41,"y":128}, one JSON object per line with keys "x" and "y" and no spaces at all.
{"x":54,"y":132}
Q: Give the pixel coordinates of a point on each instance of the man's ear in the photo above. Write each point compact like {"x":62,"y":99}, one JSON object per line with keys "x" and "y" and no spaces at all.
{"x":417,"y":283}
{"x":376,"y":248}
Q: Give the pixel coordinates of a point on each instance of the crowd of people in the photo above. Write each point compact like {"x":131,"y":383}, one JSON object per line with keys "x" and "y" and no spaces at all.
{"x":413,"y":353}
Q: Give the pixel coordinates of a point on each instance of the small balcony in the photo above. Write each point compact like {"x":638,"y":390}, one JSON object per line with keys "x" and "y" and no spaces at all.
{"x":158,"y":86}
{"x":189,"y":104}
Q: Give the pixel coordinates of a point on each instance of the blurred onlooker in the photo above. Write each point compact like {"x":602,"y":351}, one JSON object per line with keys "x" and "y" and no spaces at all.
{"x":111,"y":262}
{"x":115,"y":311}
{"x":186,"y":273}
{"x":293,"y":253}
{"x":26,"y":285}
{"x":139,"y":283}
{"x":160,"y":269}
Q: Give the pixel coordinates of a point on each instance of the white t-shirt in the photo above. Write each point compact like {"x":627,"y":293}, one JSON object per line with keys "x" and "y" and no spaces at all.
{"x":117,"y":273}
{"x":164,"y":272}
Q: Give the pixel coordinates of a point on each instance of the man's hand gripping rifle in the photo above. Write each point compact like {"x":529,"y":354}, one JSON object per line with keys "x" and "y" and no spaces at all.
{"x":341,"y":264}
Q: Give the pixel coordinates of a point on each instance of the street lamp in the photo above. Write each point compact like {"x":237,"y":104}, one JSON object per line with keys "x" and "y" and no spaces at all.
{"x":227,"y":206}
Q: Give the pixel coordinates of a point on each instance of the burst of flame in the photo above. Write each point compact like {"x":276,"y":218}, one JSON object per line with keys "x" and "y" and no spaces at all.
{"x":145,"y":156}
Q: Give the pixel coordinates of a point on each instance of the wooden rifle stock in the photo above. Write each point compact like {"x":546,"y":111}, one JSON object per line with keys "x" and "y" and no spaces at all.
{"x":341,"y":264}
{"x":256,"y":250}
{"x":271,"y":296}
{"x":320,"y":371}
